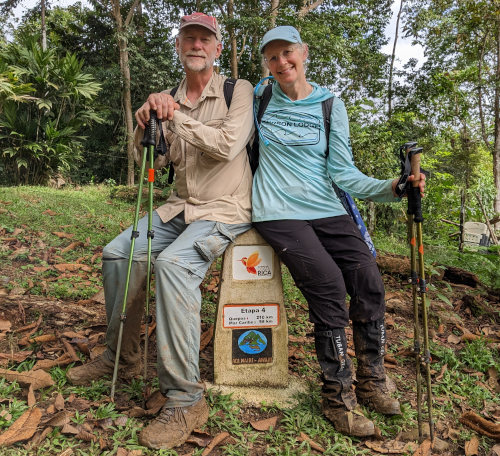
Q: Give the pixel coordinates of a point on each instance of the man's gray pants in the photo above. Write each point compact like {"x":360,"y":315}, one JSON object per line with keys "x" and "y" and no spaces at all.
{"x":182,"y":254}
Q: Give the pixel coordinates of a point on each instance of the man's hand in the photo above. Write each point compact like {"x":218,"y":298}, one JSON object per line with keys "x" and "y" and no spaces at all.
{"x":162,"y":103}
{"x":411,"y":178}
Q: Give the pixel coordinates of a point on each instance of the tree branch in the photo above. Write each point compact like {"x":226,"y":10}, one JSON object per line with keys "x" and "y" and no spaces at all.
{"x":131,"y":13}
{"x":309,"y":7}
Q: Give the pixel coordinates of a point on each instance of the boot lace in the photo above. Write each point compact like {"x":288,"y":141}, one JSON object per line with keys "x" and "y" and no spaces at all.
{"x":175,"y":415}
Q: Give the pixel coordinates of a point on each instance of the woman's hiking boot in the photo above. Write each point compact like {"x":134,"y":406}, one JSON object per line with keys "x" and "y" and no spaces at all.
{"x":371,"y":385}
{"x":338,"y":399}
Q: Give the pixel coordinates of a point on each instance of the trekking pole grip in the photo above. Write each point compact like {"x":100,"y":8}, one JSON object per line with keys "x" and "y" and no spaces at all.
{"x":150,"y":132}
{"x":415,"y":166}
{"x":414,"y":197}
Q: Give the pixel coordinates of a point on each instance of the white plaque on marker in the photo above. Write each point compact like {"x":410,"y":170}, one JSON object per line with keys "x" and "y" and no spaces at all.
{"x":250,"y":315}
{"x":252,"y":262}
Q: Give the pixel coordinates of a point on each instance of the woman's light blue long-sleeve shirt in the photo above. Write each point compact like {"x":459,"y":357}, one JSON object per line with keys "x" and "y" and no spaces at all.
{"x":293,"y":180}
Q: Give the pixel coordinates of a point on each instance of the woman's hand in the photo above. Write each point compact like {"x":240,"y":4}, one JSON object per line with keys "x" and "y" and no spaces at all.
{"x":411,"y":178}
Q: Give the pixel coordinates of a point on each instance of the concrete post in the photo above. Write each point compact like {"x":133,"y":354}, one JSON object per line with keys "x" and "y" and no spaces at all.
{"x":251,"y":332}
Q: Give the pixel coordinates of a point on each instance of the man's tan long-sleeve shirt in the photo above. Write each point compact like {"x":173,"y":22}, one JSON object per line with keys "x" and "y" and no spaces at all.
{"x":207,"y":145}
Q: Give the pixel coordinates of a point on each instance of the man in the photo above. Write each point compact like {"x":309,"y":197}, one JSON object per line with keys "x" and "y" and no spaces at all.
{"x":209,"y":209}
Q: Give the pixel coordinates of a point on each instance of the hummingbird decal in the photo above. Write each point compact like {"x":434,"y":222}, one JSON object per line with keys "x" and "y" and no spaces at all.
{"x":250,"y":262}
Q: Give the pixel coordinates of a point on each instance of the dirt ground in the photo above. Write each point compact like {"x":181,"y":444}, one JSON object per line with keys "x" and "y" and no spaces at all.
{"x":459,"y":312}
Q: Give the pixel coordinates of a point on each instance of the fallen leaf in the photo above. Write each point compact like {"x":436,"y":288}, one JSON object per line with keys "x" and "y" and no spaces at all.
{"x":390,"y":447}
{"x":39,"y":379}
{"x":305,"y":438}
{"x":60,"y":419}
{"x":264,"y":425}
{"x":135,"y":412}
{"x":62,"y":235}
{"x":155,"y":402}
{"x":5,"y":325}
{"x":66,"y":452}
{"x":121,"y":452}
{"x":5,"y":415}
{"x":39,"y":437}
{"x":23,"y":428}
{"x":493,"y":380}
{"x":69,"y":429}
{"x":38,"y":339}
{"x":72,"y":246}
{"x":219,"y":438}
{"x":49,"y":212}
{"x":72,"y":267}
{"x":453,"y":339}
{"x":495,"y":451}
{"x":444,"y":368}
{"x":18,"y":357}
{"x":86,"y":436}
{"x":206,"y":337}
{"x":59,"y":402}
{"x":31,"y":397}
{"x":424,"y":449}
{"x":298,"y":339}
{"x":472,"y":447}
{"x":200,"y":438}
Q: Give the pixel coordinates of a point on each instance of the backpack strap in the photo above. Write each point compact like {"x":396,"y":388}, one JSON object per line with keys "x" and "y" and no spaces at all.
{"x":229,"y":84}
{"x":253,"y":149}
{"x":326,"y":107}
{"x":264,"y":101}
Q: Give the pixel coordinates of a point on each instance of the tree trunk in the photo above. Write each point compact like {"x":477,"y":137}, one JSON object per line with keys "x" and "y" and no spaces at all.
{"x":274,"y":13}
{"x":391,"y":68}
{"x":121,"y":32}
{"x":44,"y":27}
{"x":232,"y":40}
{"x":496,"y":149}
{"x":127,"y":106}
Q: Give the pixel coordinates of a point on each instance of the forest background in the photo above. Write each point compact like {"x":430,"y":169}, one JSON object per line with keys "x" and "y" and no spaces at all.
{"x":71,"y":78}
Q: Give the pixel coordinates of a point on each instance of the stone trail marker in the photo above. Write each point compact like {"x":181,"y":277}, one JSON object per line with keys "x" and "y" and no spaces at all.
{"x":251,"y":332}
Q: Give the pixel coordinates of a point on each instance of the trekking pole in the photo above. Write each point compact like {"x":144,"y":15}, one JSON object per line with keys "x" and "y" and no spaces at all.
{"x":148,"y":142}
{"x":419,"y":287}
{"x":151,"y":178}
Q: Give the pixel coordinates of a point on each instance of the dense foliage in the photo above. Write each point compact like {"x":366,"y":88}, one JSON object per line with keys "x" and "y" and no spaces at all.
{"x":75,"y":123}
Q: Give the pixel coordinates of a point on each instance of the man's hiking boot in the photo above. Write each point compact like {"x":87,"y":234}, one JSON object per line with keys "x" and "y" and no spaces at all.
{"x":98,"y":368}
{"x":371,"y":386}
{"x":173,"y":426}
{"x":339,"y":401}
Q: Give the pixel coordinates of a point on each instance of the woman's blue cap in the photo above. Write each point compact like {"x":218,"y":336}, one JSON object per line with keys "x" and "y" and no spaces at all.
{"x":283,"y":32}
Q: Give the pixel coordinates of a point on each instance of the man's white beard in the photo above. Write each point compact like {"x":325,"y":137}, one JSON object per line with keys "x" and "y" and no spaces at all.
{"x":197,"y":66}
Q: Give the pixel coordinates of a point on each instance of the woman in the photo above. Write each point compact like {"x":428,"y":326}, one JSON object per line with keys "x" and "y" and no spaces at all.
{"x":297,"y":211}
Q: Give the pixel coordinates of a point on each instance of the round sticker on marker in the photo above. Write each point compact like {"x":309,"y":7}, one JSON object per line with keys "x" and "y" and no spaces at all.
{"x":252,"y":342}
